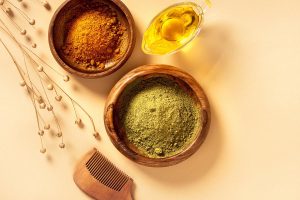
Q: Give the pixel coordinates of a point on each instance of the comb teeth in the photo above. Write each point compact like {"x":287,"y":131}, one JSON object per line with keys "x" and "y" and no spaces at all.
{"x":106,"y":172}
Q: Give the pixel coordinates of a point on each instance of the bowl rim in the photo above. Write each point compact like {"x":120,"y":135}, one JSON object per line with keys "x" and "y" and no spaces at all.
{"x":118,"y":65}
{"x":151,"y":70}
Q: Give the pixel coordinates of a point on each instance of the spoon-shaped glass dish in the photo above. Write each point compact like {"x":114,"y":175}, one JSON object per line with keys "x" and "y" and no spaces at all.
{"x":174,"y":27}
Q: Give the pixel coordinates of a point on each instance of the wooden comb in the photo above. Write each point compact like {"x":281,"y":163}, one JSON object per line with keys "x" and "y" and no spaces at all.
{"x":99,"y":178}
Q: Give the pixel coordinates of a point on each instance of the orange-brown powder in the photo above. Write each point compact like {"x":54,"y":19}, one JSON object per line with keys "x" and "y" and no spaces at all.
{"x":94,"y":37}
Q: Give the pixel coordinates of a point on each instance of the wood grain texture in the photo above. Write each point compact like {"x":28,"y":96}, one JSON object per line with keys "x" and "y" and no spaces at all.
{"x":57,"y":28}
{"x":92,"y":187}
{"x":147,"y":71}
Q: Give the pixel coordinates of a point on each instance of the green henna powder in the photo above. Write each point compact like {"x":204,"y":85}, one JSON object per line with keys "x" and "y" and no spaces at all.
{"x":159,"y":118}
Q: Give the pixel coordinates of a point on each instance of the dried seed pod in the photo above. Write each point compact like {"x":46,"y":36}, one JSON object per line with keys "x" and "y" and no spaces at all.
{"x":58,"y":98}
{"x":32,"y":21}
{"x":41,"y":132}
{"x":43,"y":150}
{"x":22,"y":83}
{"x":59,"y":134}
{"x":78,"y":121}
{"x":42,"y":106}
{"x":40,"y":68}
{"x":50,"y":108}
{"x":62,"y":145}
{"x":47,"y":127}
{"x":50,"y":87}
{"x":66,"y":78}
{"x":96,"y":134}
{"x":23,"y":32}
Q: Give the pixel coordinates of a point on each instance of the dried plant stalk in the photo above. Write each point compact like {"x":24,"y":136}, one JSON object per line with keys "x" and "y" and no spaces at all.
{"x":39,"y":97}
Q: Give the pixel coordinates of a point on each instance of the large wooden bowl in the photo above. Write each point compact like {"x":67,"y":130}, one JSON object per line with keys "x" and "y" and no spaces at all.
{"x":147,"y":71}
{"x":58,"y":30}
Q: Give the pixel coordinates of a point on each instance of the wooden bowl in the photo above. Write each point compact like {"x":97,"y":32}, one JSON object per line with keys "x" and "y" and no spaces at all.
{"x":58,"y":32}
{"x":144,"y":72}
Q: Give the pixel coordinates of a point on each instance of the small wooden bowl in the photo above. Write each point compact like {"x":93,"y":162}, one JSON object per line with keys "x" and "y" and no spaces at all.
{"x":145,"y":72}
{"x":57,"y":34}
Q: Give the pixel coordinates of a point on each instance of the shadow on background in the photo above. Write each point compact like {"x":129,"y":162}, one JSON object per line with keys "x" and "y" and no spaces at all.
{"x":195,"y":167}
{"x":103,"y":85}
{"x":203,"y":59}
{"x":208,"y":53}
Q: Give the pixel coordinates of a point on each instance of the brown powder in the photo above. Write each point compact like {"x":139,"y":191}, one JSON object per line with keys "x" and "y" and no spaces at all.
{"x":94,"y":37}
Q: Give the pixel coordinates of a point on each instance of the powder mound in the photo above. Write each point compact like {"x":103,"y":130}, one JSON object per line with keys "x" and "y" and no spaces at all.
{"x":159,"y":118}
{"x":93,"y":37}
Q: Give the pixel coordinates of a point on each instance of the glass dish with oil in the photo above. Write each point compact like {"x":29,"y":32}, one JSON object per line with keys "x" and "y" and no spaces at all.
{"x":173,"y":28}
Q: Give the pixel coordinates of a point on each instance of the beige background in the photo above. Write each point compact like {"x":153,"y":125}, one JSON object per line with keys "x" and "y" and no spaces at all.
{"x":246,"y":59}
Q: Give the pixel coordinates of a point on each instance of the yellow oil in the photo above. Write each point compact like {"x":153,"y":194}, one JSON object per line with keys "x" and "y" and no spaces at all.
{"x":172,"y":29}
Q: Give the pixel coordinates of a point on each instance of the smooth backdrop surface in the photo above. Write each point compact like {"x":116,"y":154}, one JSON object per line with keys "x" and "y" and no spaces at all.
{"x":247,"y":60}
